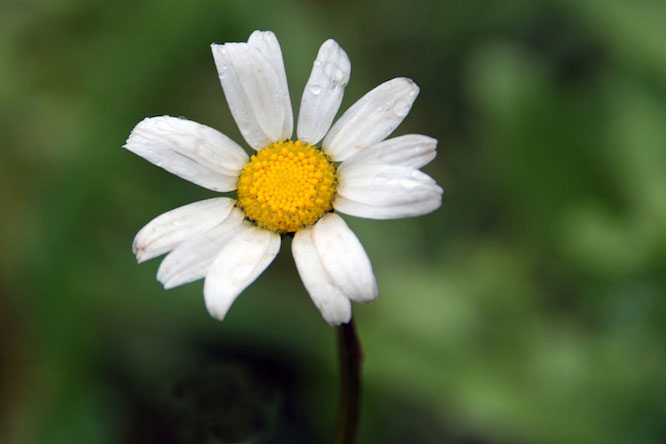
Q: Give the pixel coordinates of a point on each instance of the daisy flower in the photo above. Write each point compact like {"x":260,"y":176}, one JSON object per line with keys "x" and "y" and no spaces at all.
{"x":288,"y":187}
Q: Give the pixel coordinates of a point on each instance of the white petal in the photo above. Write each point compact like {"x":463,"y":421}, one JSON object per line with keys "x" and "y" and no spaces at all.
{"x":411,"y":150}
{"x":385,"y":184}
{"x":254,"y":83}
{"x":237,"y":266}
{"x":191,"y":259}
{"x":323,"y":93}
{"x":344,"y":258}
{"x":195,"y":152}
{"x":334,"y":306}
{"x":386,"y":192}
{"x":371,"y":119}
{"x":367,"y":211}
{"x":269,"y":47}
{"x":168,"y":230}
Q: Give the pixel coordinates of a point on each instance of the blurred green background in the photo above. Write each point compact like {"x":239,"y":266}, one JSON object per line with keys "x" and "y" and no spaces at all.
{"x":529,"y":308}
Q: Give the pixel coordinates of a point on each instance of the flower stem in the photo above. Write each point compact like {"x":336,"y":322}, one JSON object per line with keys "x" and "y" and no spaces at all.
{"x":349,"y":351}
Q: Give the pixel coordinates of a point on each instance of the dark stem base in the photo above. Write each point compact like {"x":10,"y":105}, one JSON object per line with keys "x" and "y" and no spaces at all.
{"x":349,"y":350}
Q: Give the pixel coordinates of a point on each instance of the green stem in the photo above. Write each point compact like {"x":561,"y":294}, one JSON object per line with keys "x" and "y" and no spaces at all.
{"x":349,"y":350}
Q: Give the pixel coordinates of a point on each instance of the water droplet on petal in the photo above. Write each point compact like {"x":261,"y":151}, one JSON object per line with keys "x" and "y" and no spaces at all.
{"x":401,"y":108}
{"x":315,"y":89}
{"x":333,"y":71}
{"x":407,"y":184}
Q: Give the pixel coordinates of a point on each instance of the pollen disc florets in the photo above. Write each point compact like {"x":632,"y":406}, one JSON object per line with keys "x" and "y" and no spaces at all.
{"x":286,"y":186}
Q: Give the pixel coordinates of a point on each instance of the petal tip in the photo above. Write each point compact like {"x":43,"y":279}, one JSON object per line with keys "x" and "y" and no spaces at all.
{"x":409,"y":84}
{"x":140,"y":255}
{"x":165,"y":282}
{"x":371,"y":295}
{"x":137,"y":246}
{"x":219,"y":49}
{"x":337,"y":315}
{"x":258,"y":33}
{"x":215,"y":310}
{"x":338,"y":321}
{"x":217,"y":314}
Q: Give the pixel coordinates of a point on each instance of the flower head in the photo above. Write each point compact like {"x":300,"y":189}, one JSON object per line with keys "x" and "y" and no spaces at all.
{"x":288,"y":186}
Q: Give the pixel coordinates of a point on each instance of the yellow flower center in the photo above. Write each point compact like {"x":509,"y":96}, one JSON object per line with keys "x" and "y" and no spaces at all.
{"x":287,"y":186}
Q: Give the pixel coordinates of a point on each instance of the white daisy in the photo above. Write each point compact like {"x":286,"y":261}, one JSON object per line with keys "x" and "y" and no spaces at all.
{"x":286,"y":187}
